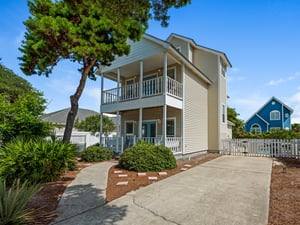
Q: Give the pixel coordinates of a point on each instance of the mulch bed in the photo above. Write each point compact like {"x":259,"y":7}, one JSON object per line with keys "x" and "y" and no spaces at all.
{"x":284,"y":206}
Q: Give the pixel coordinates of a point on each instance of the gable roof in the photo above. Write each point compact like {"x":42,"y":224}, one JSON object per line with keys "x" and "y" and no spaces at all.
{"x":167,"y":45}
{"x":194,"y":44}
{"x":60,"y":116}
{"x":273,"y":98}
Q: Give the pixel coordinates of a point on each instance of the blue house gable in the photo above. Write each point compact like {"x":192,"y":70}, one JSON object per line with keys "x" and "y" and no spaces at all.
{"x":273,"y":115}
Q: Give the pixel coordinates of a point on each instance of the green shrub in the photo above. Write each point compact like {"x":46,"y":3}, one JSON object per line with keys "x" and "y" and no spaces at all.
{"x":36,"y":160}
{"x":13,"y":201}
{"x":96,"y":154}
{"x":144,"y":157}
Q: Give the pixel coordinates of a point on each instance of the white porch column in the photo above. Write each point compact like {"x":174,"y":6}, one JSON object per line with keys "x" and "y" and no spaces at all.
{"x":165,"y":74}
{"x":141,"y":94}
{"x":140,"y":122}
{"x":118,"y":84}
{"x":141,"y":78}
{"x":101,"y":113}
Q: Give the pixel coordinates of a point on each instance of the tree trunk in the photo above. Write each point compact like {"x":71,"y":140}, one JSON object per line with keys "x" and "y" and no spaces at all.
{"x":74,"y":100}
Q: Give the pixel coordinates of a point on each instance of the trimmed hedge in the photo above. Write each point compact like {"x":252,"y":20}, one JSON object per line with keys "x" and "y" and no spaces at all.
{"x":144,"y":157}
{"x":96,"y":154}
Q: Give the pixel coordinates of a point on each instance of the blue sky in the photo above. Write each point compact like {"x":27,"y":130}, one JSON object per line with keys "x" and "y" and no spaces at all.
{"x":260,"y":37}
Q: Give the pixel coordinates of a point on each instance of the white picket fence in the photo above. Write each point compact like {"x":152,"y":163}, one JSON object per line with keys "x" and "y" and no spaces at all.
{"x":262,"y":147}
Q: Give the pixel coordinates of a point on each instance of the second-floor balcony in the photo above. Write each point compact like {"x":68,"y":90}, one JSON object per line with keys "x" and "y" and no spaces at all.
{"x":151,"y":87}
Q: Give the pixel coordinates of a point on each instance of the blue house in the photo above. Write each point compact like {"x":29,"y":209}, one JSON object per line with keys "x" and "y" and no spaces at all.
{"x":272,"y":115}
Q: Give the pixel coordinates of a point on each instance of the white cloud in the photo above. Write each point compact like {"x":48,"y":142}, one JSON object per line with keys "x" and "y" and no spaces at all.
{"x":283,"y":80}
{"x":294,"y":103}
{"x":246,"y":106}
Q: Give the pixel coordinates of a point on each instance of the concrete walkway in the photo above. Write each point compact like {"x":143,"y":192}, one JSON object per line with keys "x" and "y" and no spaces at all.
{"x":85,"y":193}
{"x":226,"y":191}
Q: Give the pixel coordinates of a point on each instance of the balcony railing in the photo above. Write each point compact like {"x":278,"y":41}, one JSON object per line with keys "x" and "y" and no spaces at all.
{"x":149,"y":88}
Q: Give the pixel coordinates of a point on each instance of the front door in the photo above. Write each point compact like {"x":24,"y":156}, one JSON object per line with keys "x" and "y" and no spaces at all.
{"x":149,"y":129}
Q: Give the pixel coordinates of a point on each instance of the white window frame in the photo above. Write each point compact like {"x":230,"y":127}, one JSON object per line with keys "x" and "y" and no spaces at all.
{"x":175,"y":72}
{"x":174,"y":119}
{"x":129,"y":121}
{"x":256,"y":130}
{"x":275,"y":115}
{"x":223,"y":113}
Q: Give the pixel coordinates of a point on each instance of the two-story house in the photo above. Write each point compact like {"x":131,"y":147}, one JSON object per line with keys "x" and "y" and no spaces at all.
{"x":272,"y":115}
{"x":170,"y":92}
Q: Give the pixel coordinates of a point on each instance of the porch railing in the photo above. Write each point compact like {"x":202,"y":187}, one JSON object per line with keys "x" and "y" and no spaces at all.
{"x":174,"y":143}
{"x":174,"y":87}
{"x":150,"y":87}
{"x":262,"y":147}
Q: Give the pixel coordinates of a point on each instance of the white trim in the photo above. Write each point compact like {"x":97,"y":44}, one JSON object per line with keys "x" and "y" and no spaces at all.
{"x":149,"y":75}
{"x":256,"y":124}
{"x":125,"y":125}
{"x":151,"y":121}
{"x":175,"y":128}
{"x":272,"y":112}
{"x":129,"y":79}
{"x":175,"y":72}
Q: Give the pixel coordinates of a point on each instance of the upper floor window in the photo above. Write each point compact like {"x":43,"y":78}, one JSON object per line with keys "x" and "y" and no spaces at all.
{"x":224,"y":69}
{"x":275,"y":115}
{"x":172,"y":73}
{"x":223,"y":113}
{"x":255,"y":128}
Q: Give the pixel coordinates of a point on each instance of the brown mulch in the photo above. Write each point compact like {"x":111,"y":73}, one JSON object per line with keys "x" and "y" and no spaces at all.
{"x":284,"y":206}
{"x":284,"y":192}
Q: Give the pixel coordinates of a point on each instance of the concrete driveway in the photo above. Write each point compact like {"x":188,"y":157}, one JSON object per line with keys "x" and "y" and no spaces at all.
{"x":226,"y":191}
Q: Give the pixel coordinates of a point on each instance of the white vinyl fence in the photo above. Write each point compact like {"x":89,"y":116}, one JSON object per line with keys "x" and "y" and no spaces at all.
{"x":262,"y":147}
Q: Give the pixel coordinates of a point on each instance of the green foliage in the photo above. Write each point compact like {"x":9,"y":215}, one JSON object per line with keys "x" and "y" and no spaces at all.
{"x":89,"y":32}
{"x":96,"y":154}
{"x":144,"y":157}
{"x":35,"y":160}
{"x":92,"y":124}
{"x":274,"y":134}
{"x":296,"y":127}
{"x":11,"y":85}
{"x":20,"y":108}
{"x":13,"y":201}
{"x":238,"y":127}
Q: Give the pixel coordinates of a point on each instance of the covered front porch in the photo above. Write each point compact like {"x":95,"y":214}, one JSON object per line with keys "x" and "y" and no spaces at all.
{"x":155,"y":125}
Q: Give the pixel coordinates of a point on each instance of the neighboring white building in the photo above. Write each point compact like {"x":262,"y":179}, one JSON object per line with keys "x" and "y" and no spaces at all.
{"x":81,"y":138}
{"x":169,"y":92}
